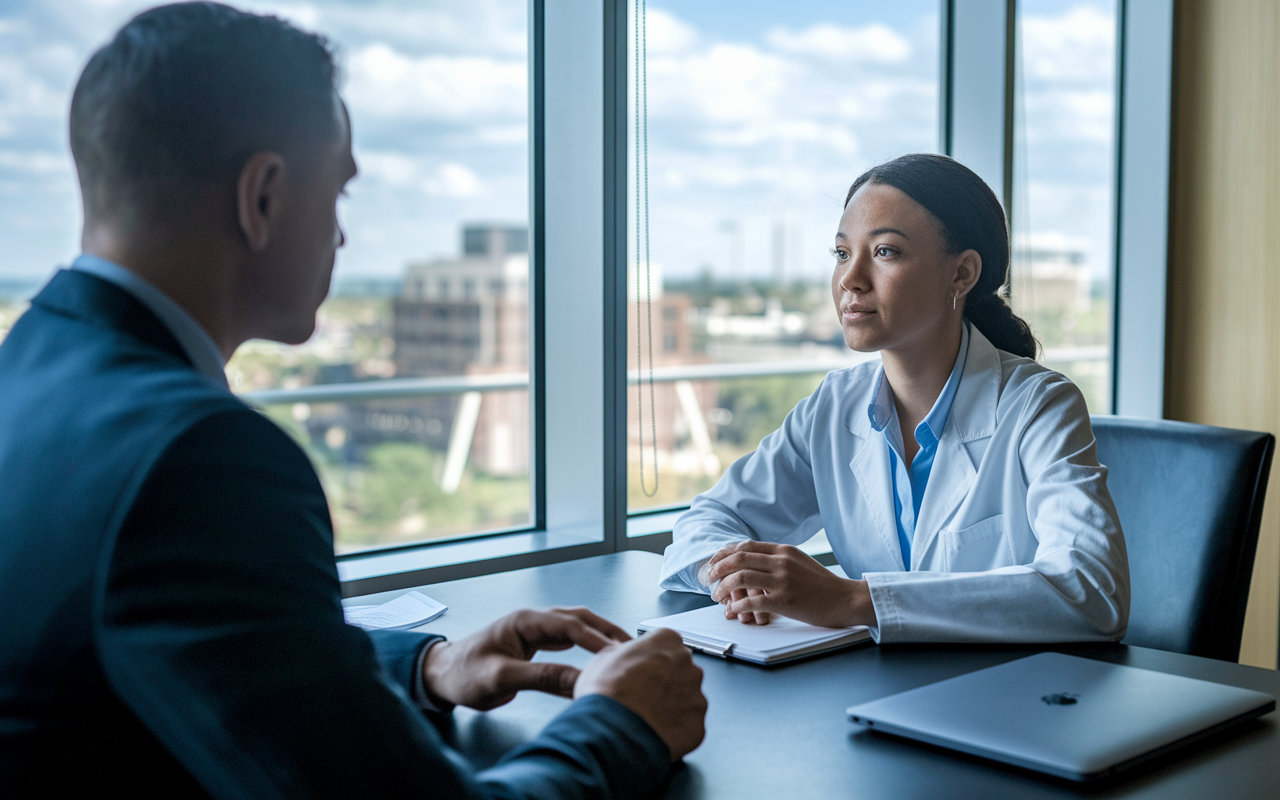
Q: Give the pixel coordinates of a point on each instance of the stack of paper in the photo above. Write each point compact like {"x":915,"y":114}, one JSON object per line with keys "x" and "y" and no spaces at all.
{"x":783,"y":639}
{"x":406,"y":611}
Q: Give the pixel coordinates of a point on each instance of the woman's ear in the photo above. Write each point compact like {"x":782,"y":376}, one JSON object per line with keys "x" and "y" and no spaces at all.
{"x":968,"y":268}
{"x":260,"y":199}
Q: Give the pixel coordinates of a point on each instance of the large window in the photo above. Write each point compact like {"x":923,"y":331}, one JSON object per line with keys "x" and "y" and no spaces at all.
{"x":432,"y":284}
{"x":748,"y":123}
{"x":1064,"y":186}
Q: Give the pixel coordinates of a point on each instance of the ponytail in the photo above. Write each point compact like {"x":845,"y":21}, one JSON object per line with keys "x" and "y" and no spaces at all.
{"x":991,"y":315}
{"x":972,"y":219}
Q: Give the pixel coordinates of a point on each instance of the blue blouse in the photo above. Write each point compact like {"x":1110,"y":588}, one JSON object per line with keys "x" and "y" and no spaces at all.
{"x":909,"y":485}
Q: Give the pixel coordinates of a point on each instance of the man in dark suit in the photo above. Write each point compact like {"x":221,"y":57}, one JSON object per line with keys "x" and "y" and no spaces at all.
{"x":172,"y":611}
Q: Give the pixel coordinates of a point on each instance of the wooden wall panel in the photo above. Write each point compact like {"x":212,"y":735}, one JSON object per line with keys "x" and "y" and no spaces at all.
{"x":1224,"y":288}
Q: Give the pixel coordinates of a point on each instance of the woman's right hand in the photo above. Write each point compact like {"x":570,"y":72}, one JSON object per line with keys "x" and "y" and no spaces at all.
{"x":766,"y":578}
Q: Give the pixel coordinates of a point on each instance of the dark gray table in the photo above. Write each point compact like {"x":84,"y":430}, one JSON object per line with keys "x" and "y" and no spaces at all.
{"x":782,"y":732}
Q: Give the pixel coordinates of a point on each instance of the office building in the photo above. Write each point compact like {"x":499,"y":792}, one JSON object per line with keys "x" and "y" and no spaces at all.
{"x":469,"y":316}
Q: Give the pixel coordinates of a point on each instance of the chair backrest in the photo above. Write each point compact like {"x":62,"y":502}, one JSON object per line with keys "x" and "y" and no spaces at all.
{"x":1190,"y":502}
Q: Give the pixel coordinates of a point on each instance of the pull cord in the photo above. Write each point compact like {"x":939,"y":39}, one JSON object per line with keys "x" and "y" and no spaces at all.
{"x":642,"y":239}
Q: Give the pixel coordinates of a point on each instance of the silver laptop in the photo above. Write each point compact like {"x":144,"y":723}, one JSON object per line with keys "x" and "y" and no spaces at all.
{"x":1072,"y":717}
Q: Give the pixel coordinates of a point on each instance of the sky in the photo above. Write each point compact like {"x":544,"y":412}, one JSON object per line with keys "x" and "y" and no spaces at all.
{"x":1065,"y":140}
{"x":760,"y":116}
{"x":765,"y":126}
{"x":438,"y":99}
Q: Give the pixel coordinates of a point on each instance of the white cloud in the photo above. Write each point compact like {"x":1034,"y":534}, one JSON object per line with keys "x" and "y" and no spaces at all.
{"x":1068,"y":78}
{"x":386,"y":83}
{"x":305,"y":15}
{"x":400,"y":170}
{"x":760,"y":102}
{"x":454,"y":180}
{"x":1077,"y":46}
{"x":475,"y":27}
{"x":35,"y":163}
{"x":1070,"y":115}
{"x":874,"y":43}
{"x":26,"y":93}
{"x":726,"y":83}
{"x":393,"y":168}
{"x":504,"y":134}
{"x":665,"y":34}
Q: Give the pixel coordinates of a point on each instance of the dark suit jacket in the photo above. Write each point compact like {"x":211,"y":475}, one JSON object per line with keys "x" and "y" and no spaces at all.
{"x":172,"y":617}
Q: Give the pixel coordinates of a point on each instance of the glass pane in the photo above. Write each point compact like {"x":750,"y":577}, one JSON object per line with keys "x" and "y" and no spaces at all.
{"x":759,"y":117}
{"x":1064,"y":174}
{"x":433,"y":281}
{"x":394,"y":471}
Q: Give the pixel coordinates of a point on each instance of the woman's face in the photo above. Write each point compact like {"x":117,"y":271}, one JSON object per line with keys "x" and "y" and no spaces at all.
{"x":894,"y":281}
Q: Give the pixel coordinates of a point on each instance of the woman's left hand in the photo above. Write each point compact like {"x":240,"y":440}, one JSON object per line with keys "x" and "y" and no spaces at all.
{"x":757,"y":579}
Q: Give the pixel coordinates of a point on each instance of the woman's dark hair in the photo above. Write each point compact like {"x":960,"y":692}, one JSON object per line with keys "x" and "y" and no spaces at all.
{"x":972,"y":219}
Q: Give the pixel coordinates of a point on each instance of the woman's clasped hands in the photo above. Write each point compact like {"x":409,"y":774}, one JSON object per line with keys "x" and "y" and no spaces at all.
{"x":756,"y":581}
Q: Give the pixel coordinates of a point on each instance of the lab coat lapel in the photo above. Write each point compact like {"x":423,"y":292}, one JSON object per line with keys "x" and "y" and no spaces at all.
{"x":872,"y":472}
{"x":950,"y":481}
{"x":972,"y":418}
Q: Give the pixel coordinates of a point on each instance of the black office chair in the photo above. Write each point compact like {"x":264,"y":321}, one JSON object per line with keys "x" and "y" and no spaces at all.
{"x":1190,"y":502}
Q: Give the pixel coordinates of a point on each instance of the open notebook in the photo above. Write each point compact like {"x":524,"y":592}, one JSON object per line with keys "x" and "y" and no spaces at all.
{"x":707,"y":631}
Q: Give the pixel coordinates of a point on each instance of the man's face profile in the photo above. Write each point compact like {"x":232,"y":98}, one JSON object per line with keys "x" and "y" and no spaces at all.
{"x":290,"y":277}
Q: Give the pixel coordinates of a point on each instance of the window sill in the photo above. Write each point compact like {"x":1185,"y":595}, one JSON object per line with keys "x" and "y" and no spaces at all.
{"x":446,"y":561}
{"x":467,"y":558}
{"x":657,"y":522}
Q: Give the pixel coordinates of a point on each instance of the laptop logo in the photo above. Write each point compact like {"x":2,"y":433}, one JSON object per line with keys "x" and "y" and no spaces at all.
{"x":1060,"y":699}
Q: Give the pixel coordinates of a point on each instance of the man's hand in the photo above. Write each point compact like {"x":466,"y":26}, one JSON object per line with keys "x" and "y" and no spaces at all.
{"x":655,"y":677}
{"x":487,"y":669}
{"x":757,"y":579}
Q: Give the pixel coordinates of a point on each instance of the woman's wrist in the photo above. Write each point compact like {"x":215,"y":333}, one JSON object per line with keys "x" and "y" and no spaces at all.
{"x":702,"y":572}
{"x":861,"y":609}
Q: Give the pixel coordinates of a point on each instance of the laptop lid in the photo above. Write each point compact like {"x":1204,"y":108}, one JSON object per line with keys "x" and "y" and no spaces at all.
{"x":1072,"y":717}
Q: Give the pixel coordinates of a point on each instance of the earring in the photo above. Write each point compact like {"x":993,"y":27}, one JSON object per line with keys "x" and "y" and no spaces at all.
{"x":953,"y":301}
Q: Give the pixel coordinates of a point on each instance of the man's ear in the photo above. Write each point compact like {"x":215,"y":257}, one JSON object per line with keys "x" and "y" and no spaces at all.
{"x":259,"y":198}
{"x":967,"y":271}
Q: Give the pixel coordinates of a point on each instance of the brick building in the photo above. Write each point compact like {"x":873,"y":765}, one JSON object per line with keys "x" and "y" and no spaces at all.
{"x":470,"y":316}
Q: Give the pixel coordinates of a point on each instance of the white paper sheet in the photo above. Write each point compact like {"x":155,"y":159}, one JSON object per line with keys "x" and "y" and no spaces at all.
{"x":406,"y":611}
{"x":781,"y":635}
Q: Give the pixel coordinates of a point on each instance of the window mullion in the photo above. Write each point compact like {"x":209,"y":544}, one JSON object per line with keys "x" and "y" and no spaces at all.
{"x":977,"y":89}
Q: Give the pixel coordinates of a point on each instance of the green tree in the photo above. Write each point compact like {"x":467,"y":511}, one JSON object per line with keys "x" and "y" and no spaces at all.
{"x":400,"y":481}
{"x":759,"y":405}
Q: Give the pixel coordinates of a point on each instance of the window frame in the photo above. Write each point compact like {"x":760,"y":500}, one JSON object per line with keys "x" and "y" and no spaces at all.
{"x":1144,"y":168}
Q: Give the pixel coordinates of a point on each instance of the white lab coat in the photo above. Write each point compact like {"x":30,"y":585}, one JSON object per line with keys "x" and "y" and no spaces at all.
{"x":1017,"y":538}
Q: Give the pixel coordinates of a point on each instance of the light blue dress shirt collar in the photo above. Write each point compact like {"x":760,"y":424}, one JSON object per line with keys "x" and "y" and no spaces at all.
{"x":194,"y":340}
{"x":909,"y":485}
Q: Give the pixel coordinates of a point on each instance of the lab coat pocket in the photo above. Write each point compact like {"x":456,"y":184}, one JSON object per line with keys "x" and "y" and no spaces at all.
{"x":978,"y":547}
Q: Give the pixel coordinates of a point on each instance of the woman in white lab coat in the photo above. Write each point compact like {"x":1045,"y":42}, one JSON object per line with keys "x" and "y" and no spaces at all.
{"x":957,"y":479}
